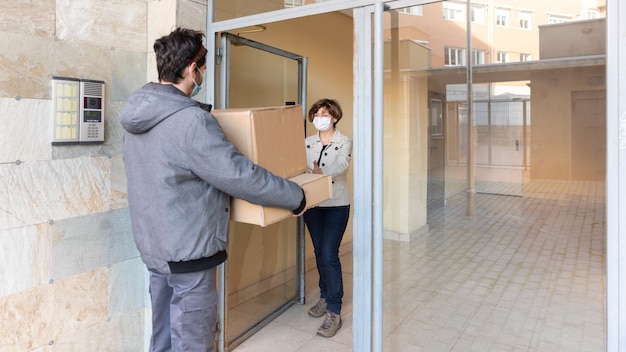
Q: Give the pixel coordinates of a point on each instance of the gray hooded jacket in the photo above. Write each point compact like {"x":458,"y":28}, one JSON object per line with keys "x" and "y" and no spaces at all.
{"x":181,"y":173}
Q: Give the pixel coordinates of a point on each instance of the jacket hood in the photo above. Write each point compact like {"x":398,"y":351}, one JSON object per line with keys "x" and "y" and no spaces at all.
{"x":150,"y":105}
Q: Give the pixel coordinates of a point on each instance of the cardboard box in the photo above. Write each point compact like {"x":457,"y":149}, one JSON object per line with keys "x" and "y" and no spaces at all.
{"x":317,"y":188}
{"x":272,"y":137}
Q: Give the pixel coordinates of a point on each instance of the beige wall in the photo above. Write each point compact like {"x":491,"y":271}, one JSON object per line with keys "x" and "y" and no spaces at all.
{"x":553,"y":136}
{"x":584,"y":38}
{"x":406,"y":141}
{"x":551,"y":127}
{"x":228,"y":9}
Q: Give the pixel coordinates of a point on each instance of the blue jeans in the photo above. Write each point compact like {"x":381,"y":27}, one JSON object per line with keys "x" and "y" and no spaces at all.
{"x":184,"y":311}
{"x":326,"y":226}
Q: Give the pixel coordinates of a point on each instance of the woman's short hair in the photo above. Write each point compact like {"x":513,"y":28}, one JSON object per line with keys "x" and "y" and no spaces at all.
{"x":331,"y":105}
{"x":178,"y":50}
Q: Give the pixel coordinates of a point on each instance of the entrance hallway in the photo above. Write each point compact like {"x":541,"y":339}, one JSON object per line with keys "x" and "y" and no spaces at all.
{"x":523,"y":274}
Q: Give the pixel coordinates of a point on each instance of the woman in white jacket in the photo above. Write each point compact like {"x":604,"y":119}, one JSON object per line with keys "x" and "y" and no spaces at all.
{"x":328,"y":152}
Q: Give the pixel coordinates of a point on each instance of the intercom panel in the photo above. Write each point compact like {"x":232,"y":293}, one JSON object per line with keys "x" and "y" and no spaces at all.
{"x":77,"y":111}
{"x":91,"y":112}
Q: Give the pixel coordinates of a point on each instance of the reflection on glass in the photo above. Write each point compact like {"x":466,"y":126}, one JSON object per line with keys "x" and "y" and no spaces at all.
{"x":261,"y":274}
{"x":526,"y":137}
{"x":250,"y":86}
{"x":501,"y":114}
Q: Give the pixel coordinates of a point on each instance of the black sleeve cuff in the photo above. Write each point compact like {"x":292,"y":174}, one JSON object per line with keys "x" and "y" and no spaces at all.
{"x":205,"y":107}
{"x":300,"y":208}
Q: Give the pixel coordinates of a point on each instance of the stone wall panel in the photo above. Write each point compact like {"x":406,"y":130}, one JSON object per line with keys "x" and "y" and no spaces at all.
{"x":21,"y":16}
{"x":27,"y":64}
{"x":85,"y":243}
{"x":34,"y":193}
{"x":24,"y":258}
{"x":37,"y":316}
{"x":104,"y":23}
{"x":128,"y":287}
{"x":123,"y":333}
{"x":25,"y":132}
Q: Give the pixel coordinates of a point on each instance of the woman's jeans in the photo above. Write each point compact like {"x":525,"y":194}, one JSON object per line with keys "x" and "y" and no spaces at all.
{"x":326,"y":226}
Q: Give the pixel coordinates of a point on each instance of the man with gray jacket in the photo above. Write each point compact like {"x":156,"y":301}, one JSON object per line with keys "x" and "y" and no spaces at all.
{"x":181,"y":173}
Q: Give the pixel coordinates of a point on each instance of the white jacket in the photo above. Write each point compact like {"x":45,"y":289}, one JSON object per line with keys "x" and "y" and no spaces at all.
{"x":334,"y":161}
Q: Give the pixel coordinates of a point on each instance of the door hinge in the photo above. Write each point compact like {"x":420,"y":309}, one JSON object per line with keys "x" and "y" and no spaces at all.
{"x":219,"y":53}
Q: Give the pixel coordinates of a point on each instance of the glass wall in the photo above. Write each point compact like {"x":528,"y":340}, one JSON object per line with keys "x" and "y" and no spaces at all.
{"x":494,"y":181}
{"x":494,"y":192}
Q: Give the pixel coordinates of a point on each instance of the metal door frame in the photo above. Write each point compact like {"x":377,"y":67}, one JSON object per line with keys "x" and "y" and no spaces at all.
{"x":228,"y":39}
{"x":223,"y":54}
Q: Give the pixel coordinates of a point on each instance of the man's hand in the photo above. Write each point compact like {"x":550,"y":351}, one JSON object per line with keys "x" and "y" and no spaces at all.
{"x":302,"y":212}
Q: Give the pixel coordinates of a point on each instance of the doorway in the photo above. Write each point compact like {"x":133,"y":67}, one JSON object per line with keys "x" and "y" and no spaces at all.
{"x":436,"y":157}
{"x":264,"y":273}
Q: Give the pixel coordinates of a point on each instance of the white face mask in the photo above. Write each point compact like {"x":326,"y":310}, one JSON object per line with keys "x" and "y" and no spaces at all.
{"x":322,"y":123}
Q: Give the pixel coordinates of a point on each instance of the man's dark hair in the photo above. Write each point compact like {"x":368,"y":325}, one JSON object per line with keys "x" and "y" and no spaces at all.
{"x":176,"y":51}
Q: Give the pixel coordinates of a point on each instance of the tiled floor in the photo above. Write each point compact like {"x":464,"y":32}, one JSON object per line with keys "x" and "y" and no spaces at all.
{"x":523,"y":274}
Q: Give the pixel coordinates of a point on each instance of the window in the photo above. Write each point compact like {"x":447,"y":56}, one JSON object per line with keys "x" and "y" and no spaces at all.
{"x":558,"y":18}
{"x":413,"y":10}
{"x":525,"y":19}
{"x":478,"y":57}
{"x":478,"y":14}
{"x":453,"y":11}
{"x":455,"y":56}
{"x":502,"y":17}
{"x":525,"y":57}
{"x":503,"y":57}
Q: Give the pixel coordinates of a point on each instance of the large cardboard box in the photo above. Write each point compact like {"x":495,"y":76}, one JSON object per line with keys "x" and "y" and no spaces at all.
{"x":317,"y":188}
{"x":272,"y":137}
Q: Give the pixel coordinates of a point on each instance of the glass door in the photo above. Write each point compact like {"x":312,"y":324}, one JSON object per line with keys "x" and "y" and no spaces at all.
{"x":264,"y":273}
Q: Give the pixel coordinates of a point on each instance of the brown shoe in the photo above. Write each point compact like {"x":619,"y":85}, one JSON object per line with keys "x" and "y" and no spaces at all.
{"x":331,"y":324}
{"x":318,"y":309}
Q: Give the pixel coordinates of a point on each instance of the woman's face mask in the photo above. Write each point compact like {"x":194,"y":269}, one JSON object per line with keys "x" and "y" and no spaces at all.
{"x":323,"y":123}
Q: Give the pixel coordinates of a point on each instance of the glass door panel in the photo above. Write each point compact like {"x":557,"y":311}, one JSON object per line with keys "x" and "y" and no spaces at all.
{"x":475,"y":251}
{"x":263,"y":275}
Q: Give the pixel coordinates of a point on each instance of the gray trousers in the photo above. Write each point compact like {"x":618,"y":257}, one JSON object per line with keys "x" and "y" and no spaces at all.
{"x":184,"y":308}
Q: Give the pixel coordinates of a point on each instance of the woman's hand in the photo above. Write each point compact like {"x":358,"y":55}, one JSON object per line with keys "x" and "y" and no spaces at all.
{"x":316,"y":168}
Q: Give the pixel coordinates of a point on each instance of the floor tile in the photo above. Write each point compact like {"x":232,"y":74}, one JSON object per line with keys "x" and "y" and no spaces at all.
{"x":525,"y":273}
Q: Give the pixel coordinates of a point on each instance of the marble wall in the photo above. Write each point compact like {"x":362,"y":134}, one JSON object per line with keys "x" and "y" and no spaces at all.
{"x":70,"y":276}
